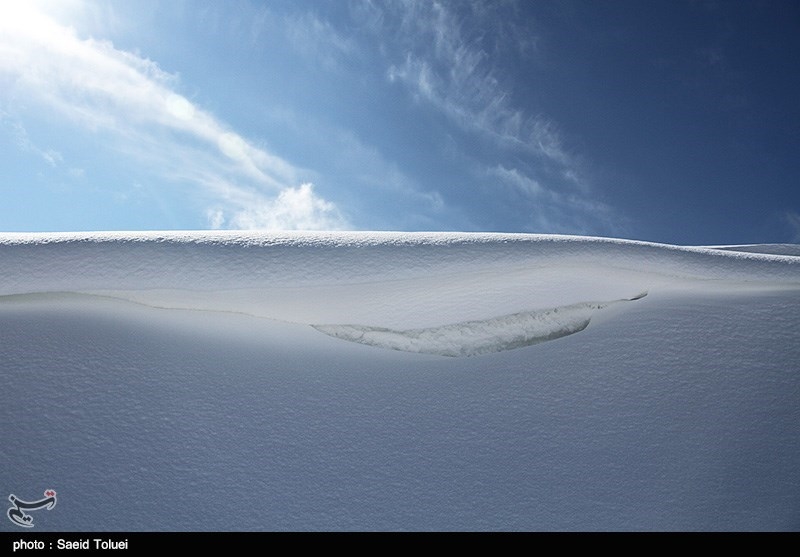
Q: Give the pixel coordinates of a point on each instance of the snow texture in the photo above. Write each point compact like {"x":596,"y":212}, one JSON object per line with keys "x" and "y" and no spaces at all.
{"x":182,"y":381}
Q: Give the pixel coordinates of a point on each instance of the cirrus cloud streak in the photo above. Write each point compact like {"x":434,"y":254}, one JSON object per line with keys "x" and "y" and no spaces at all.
{"x":120,"y":95}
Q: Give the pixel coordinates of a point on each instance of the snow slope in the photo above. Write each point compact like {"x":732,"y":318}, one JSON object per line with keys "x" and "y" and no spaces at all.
{"x":199,"y":381}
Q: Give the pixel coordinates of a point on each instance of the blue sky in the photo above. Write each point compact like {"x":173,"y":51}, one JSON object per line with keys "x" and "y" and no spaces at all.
{"x":667,"y":121}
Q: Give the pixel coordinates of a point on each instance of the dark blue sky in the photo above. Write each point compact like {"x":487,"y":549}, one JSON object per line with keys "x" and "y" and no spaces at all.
{"x":672,"y":121}
{"x":690,"y":110}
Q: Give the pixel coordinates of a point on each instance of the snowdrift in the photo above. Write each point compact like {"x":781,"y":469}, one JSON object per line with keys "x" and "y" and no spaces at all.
{"x":399,"y":381}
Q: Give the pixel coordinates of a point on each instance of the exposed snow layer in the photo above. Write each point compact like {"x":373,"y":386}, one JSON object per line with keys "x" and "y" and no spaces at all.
{"x":182,"y":382}
{"x":470,"y":338}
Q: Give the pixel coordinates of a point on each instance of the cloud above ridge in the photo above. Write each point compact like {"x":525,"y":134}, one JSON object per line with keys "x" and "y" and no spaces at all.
{"x":100,"y":88}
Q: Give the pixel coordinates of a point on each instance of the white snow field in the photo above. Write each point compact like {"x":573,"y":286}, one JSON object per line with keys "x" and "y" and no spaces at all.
{"x":398,"y":381}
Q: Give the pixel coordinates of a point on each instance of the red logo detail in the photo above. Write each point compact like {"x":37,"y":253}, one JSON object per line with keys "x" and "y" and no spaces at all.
{"x":49,"y":493}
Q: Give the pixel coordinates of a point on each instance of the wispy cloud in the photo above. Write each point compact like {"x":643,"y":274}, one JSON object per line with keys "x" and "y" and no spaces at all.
{"x":445,"y":54}
{"x":371,"y":179}
{"x":22,"y":140}
{"x":317,"y":40}
{"x":517,"y":179}
{"x":101,"y":88}
{"x":311,"y":37}
{"x":551,"y":210}
{"x":448,"y":63}
{"x":792,"y":219}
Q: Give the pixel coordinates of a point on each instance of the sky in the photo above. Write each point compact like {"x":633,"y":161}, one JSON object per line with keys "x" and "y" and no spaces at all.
{"x":669,"y":121}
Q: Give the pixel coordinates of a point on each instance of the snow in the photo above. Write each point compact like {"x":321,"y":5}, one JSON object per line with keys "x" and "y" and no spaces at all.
{"x":399,"y":381}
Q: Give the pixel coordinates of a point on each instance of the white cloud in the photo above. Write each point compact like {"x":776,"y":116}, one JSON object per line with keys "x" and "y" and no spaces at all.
{"x":295,"y":208}
{"x":134,"y":102}
{"x":216,"y":218}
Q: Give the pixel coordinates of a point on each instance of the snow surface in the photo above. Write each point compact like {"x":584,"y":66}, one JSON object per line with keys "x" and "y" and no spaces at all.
{"x":252,"y":381}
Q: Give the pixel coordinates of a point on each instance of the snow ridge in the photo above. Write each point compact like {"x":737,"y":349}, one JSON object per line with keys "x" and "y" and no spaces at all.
{"x":203,"y":261}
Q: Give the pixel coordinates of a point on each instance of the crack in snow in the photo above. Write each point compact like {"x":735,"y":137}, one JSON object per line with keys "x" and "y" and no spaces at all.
{"x":472,"y":338}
